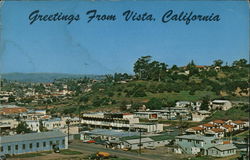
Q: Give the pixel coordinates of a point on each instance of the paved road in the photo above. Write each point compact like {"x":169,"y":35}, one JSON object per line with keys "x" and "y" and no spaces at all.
{"x":93,"y":148}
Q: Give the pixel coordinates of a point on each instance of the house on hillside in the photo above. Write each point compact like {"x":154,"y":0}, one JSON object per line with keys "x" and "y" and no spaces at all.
{"x":222,"y":150}
{"x":221,"y":105}
{"x":200,"y":115}
{"x":208,"y":126}
{"x":217,"y":123}
{"x":238,"y":125}
{"x":215,"y":132}
{"x":195,"y":130}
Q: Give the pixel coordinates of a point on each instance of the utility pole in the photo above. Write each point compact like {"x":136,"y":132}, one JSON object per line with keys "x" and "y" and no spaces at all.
{"x":68,"y":122}
{"x":140,"y":142}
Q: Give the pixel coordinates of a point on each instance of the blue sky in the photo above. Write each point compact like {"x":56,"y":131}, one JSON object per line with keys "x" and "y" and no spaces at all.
{"x":103,"y":47}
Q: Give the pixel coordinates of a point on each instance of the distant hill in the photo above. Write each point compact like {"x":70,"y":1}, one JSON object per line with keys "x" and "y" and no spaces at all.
{"x":44,"y":77}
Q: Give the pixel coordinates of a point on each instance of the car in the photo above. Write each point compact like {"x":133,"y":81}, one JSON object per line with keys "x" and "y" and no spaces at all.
{"x":3,"y":157}
{"x":56,"y":149}
{"x":91,"y":141}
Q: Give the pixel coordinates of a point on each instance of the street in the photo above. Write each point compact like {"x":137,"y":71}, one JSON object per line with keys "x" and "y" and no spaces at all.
{"x":93,"y":148}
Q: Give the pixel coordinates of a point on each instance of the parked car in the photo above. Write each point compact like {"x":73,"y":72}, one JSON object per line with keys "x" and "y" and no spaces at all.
{"x":56,"y":149}
{"x":2,"y":157}
{"x":91,"y":141}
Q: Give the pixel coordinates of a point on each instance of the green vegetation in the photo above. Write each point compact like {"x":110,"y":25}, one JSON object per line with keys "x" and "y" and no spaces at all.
{"x":200,"y":158}
{"x":31,"y":155}
{"x":242,"y":135}
{"x":69,"y":152}
{"x":23,"y":128}
{"x":235,"y":113}
{"x":119,"y":159}
{"x":154,"y":85}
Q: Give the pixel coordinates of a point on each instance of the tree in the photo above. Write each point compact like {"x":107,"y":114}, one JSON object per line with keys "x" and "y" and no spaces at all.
{"x":84,"y":99}
{"x":155,"y":103}
{"x":174,"y":68}
{"x":109,"y":78}
{"x":192,"y":68}
{"x":147,"y":70}
{"x":42,"y":128}
{"x":218,"y":63}
{"x":22,"y":127}
{"x":205,"y":103}
{"x":141,"y":67}
{"x":240,"y":63}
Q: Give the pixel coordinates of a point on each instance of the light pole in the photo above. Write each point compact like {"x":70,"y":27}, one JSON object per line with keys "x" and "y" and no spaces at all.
{"x":68,"y":122}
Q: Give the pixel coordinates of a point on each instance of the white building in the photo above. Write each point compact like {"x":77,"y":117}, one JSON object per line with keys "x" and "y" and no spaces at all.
{"x":200,"y":115}
{"x":33,"y":125}
{"x":147,"y":115}
{"x":51,"y":124}
{"x":221,"y":105}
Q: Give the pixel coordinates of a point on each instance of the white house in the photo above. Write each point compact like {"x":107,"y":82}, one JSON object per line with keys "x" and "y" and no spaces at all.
{"x":221,"y":105}
{"x":200,"y":115}
{"x":33,"y":125}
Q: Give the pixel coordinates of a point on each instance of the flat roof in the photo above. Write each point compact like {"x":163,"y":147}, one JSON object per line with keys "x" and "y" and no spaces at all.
{"x":196,"y":137}
{"x":31,"y":136}
{"x":108,"y":132}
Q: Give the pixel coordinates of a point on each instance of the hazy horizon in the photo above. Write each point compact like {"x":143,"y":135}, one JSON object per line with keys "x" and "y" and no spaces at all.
{"x":104,"y":47}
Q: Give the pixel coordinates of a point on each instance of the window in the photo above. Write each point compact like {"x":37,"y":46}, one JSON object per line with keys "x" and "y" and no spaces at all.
{"x":189,"y":140}
{"x":30,"y":145}
{"x":9,"y":148}
{"x":24,"y":146}
{"x":180,"y":140}
{"x":50,"y":142}
{"x":44,"y":144}
{"x":63,"y":142}
{"x":16,"y":147}
{"x":57,"y":142}
{"x":198,"y":142}
{"x":37,"y":145}
{"x":1,"y":148}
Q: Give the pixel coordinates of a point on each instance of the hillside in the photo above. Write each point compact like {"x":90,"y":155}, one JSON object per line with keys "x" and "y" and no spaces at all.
{"x":43,"y":77}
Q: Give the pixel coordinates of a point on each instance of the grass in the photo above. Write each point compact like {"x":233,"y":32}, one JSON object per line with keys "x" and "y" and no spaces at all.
{"x":69,"y":152}
{"x":235,"y":113}
{"x":242,"y":135}
{"x":28,"y":155}
{"x":119,"y":159}
{"x":200,"y":158}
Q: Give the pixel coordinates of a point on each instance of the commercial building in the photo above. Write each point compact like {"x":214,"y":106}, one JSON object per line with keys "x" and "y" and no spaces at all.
{"x":32,"y":142}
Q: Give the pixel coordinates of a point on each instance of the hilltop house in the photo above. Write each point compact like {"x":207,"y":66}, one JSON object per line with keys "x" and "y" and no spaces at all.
{"x":221,"y":105}
{"x":200,"y":115}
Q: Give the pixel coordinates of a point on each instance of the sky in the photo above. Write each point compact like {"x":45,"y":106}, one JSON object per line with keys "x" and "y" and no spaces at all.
{"x":104,"y":47}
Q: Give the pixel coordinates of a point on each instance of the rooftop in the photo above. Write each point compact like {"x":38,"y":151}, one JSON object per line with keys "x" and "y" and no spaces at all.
{"x":219,"y":121}
{"x":208,"y":125}
{"x":238,"y":122}
{"x":223,"y":147}
{"x":114,"y":133}
{"x":31,"y":136}
{"x":137,"y":141}
{"x":220,"y":101}
{"x":196,"y":137}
